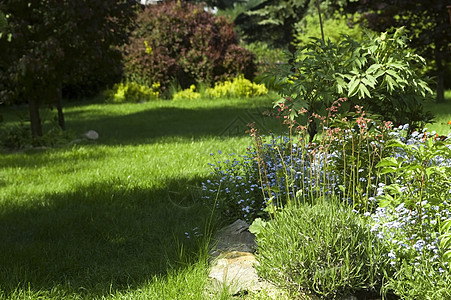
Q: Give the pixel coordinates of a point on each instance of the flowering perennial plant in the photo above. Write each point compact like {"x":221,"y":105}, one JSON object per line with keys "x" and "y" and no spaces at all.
{"x":234,"y":187}
{"x":411,"y":236}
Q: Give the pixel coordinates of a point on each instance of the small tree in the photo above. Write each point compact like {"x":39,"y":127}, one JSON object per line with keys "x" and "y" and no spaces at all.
{"x":47,"y":43}
{"x":380,"y":73}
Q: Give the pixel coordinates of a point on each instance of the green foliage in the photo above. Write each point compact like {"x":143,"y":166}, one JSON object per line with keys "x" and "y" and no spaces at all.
{"x":238,"y":87}
{"x":3,"y":24}
{"x":187,"y":94}
{"x":325,"y":249}
{"x":18,"y":137}
{"x":274,"y":22}
{"x":334,"y":27}
{"x":356,"y":142}
{"x":420,"y":182}
{"x":131,"y":92}
{"x":38,"y":60}
{"x":181,"y":41}
{"x":445,"y":240}
{"x":424,"y":167}
{"x":380,"y":73}
{"x":427,"y":23}
{"x":15,"y":137}
{"x":267,"y":57}
{"x":420,"y":282}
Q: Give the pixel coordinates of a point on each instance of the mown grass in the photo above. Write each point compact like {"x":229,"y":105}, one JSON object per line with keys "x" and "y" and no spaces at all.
{"x":109,"y":219}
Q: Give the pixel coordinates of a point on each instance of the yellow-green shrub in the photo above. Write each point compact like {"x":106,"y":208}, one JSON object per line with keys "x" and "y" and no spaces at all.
{"x":187,"y":94}
{"x":131,"y":92}
{"x":239,"y":87}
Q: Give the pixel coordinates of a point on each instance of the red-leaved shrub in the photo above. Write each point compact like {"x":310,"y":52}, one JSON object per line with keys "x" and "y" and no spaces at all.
{"x":182,"y":41}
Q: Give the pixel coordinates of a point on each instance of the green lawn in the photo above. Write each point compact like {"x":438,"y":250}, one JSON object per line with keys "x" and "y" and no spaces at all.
{"x":109,"y":218}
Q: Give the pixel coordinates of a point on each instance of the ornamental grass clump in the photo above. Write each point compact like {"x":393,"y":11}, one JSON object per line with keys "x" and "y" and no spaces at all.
{"x":325,"y":249}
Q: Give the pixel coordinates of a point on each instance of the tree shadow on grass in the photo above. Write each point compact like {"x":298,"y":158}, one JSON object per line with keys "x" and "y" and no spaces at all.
{"x":98,"y":238}
{"x":149,"y":125}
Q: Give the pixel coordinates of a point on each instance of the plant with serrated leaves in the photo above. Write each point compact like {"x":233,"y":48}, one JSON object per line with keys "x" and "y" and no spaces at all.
{"x":380,"y":73}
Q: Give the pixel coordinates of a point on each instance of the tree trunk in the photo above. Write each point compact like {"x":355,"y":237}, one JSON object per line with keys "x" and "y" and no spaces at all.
{"x":35,"y":120}
{"x":59,"y":106}
{"x":440,"y":78}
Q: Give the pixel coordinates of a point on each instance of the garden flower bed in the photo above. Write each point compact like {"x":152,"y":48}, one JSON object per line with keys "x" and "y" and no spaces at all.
{"x":397,"y":183}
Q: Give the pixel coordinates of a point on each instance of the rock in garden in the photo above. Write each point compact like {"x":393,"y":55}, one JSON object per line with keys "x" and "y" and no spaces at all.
{"x":91,"y":135}
{"x":234,"y":271}
{"x":234,"y":237}
{"x":233,"y":267}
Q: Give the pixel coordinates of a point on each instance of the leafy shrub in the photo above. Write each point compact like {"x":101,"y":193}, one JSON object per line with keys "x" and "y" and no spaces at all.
{"x":18,"y":137}
{"x":413,"y":207}
{"x":326,"y":249}
{"x":131,"y":92}
{"x":380,"y":73}
{"x":238,"y":87}
{"x":183,"y":42}
{"x":187,"y":94}
{"x":420,"y":281}
{"x":15,"y":137}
